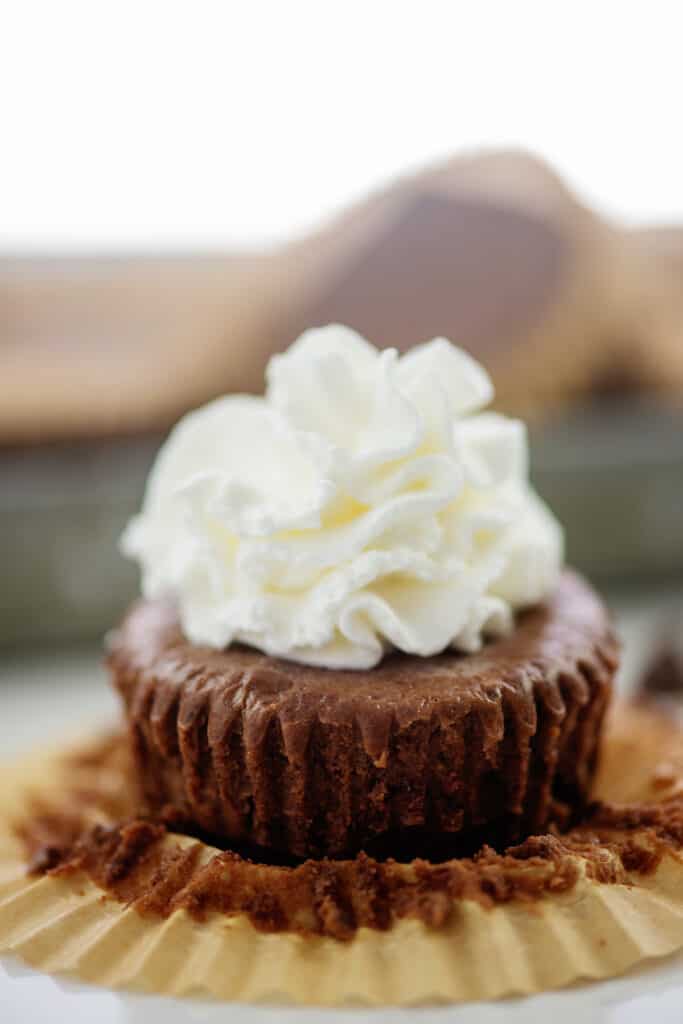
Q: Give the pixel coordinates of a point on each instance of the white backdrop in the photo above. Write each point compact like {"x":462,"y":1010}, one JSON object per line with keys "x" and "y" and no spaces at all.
{"x":153,"y":123}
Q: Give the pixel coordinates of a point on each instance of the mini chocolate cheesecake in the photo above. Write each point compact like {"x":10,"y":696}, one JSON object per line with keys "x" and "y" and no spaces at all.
{"x":309,"y":761}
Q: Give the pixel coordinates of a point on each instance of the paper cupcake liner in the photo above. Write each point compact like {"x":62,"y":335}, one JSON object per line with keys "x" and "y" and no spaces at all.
{"x":594,"y":931}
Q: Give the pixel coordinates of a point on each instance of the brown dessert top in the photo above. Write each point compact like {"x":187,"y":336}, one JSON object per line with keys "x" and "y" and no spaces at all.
{"x":549,"y":642}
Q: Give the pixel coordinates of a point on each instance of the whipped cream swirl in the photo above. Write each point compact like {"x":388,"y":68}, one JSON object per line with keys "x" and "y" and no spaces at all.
{"x":364,"y":504}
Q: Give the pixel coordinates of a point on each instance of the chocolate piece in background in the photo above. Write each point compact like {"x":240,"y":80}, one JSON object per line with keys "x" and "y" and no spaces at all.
{"x":490,"y":248}
{"x":423,"y":273}
{"x":663,"y":674}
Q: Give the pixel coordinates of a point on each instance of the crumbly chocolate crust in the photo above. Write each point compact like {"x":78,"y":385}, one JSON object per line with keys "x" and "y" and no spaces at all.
{"x":315,"y":762}
{"x":142,"y":864}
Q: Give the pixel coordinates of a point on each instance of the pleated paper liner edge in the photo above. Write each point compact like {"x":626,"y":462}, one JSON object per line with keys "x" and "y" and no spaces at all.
{"x":68,"y":925}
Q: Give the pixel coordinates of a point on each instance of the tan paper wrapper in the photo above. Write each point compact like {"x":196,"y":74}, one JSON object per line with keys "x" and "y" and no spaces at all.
{"x":594,"y":931}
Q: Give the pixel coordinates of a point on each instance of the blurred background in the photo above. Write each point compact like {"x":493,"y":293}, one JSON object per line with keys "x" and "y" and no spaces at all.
{"x":185,"y":187}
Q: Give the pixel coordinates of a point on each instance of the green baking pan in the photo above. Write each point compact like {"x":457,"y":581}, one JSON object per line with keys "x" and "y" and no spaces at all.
{"x":612,"y":472}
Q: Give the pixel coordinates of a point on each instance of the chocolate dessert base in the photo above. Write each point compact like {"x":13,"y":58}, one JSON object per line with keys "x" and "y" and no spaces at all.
{"x":316,"y":762}
{"x":142,"y":864}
